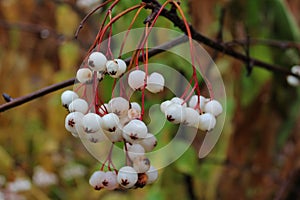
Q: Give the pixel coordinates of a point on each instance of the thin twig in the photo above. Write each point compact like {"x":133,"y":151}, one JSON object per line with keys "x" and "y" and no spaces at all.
{"x":52,"y":88}
{"x":177,"y":21}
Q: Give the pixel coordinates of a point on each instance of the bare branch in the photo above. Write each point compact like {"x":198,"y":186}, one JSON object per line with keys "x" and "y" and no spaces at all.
{"x":52,"y":88}
{"x":177,"y":21}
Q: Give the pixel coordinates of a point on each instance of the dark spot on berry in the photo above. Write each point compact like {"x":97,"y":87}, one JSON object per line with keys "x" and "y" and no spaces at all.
{"x":87,"y":130}
{"x":105,"y":183}
{"x":133,"y":136}
{"x":146,"y":161}
{"x":71,"y":123}
{"x":112,"y":129}
{"x":124,"y":182}
{"x":169,"y":118}
{"x":155,"y":144}
{"x":113,"y":73}
{"x":91,"y":63}
{"x":97,"y":188}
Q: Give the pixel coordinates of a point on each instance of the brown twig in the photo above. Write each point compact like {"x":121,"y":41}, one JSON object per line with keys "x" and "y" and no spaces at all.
{"x":177,"y":21}
{"x":21,"y":100}
{"x":173,"y":17}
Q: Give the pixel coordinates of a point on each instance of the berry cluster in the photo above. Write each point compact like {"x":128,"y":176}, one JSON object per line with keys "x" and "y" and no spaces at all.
{"x":199,"y":113}
{"x":118,"y":120}
{"x":293,"y":81}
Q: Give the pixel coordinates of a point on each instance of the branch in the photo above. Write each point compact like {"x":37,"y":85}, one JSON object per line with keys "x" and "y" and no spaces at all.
{"x":177,"y":21}
{"x":21,"y":100}
{"x":14,"y":102}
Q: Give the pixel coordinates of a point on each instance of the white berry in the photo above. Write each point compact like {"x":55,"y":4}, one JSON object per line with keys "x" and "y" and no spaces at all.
{"x":115,"y":136}
{"x":136,"y":79}
{"x":72,"y":120}
{"x":197,"y":102}
{"x":149,"y":142}
{"x":207,"y":122}
{"x":97,"y":61}
{"x":152,"y":174}
{"x":79,"y":105}
{"x":96,"y":180}
{"x":141,"y":164}
{"x":179,"y":101}
{"x":136,"y":106}
{"x":164,"y":105}
{"x":127,"y":177}
{"x":84,"y":75}
{"x":112,"y":67}
{"x":67,"y":97}
{"x":119,"y":106}
{"x":121,"y":69}
{"x":175,"y":113}
{"x":133,"y":114}
{"x":91,"y":123}
{"x":109,"y":181}
{"x":96,"y":137}
{"x":110,"y":122}
{"x":214,"y":107}
{"x":155,"y":82}
{"x":135,"y":150}
{"x":293,"y":81}
{"x":191,"y":117}
{"x":134,"y":130}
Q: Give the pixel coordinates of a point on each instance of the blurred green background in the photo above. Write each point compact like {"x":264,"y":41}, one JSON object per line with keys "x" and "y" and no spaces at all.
{"x":256,"y":156}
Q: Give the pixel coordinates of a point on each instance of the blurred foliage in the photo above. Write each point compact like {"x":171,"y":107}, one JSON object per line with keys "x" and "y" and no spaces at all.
{"x":259,"y":145}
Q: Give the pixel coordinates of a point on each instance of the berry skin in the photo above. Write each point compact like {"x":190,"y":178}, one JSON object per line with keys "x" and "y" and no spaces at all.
{"x":179,"y":101}
{"x":127,"y":177}
{"x":135,"y":150}
{"x":191,"y":117}
{"x":96,"y":180}
{"x":91,"y":123}
{"x":194,"y":101}
{"x":110,"y":122}
{"x":135,"y":130}
{"x":72,"y":120}
{"x":121,"y":69}
{"x":115,"y":136}
{"x":119,"y":106}
{"x":136,"y":79}
{"x":135,"y":106}
{"x":67,"y":97}
{"x":84,"y":75}
{"x":97,"y":61}
{"x":152,"y":174}
{"x":141,"y":164}
{"x":175,"y":113}
{"x":112,"y":67}
{"x":79,"y":105}
{"x":292,"y":81}
{"x":149,"y":142}
{"x":207,"y":122}
{"x":155,"y":82}
{"x":214,"y":107}
{"x":96,"y":137}
{"x":133,"y":114}
{"x":164,"y":105}
{"x":109,"y":181}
